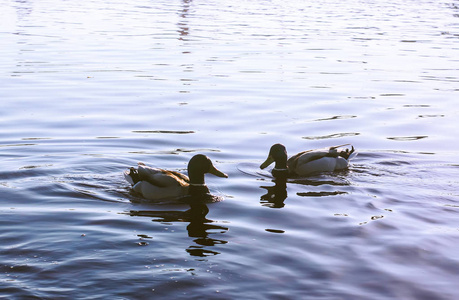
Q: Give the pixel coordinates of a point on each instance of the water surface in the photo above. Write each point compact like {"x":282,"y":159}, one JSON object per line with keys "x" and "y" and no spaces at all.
{"x":89,"y":89}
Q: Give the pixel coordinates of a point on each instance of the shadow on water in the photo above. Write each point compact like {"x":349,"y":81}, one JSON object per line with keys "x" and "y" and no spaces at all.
{"x":199,"y":227}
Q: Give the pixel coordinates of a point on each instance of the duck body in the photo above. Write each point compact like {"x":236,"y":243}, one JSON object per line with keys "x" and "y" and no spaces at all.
{"x":308,"y":162}
{"x":155,"y":183}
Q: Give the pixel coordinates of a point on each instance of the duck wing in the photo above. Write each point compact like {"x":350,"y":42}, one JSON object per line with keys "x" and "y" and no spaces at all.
{"x":306,"y":156}
{"x":161,"y":177}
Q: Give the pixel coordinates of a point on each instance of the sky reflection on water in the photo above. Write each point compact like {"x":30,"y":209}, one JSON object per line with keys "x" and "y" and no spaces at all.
{"x":90,"y":89}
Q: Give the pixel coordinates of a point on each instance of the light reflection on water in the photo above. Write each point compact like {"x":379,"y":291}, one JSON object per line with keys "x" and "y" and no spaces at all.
{"x":89,"y":90}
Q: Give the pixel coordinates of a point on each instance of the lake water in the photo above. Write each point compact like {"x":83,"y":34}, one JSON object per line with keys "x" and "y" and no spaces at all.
{"x":90,"y":88}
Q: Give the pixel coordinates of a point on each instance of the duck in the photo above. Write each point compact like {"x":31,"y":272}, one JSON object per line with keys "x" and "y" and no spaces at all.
{"x":308,"y":162}
{"x":155,"y":183}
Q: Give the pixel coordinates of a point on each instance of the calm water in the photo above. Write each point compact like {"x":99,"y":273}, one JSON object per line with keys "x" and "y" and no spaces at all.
{"x":89,"y":88}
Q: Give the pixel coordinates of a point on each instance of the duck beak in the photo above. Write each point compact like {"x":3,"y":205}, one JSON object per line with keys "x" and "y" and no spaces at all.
{"x":267,"y":162}
{"x":216,"y":172}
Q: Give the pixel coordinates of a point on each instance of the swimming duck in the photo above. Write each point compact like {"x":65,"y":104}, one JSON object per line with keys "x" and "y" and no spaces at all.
{"x":155,"y":183}
{"x":309,"y":161}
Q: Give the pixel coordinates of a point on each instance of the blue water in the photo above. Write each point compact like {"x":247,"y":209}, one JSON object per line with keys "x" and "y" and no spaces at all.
{"x":91,"y":88}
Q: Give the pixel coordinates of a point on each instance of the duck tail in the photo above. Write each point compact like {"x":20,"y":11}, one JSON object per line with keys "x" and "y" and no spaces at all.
{"x":339,"y":146}
{"x":132,"y":176}
{"x":348,"y":154}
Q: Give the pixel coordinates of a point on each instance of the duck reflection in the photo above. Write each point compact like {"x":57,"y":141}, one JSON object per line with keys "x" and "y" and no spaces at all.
{"x":455,"y":7}
{"x":183,"y":23}
{"x":199,"y":226}
{"x":276,"y":194}
{"x":317,"y":182}
{"x":23,"y":8}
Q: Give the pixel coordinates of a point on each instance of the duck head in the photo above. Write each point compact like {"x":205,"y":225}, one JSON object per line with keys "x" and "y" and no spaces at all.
{"x":200,"y":165}
{"x":197,"y":167}
{"x":277,"y":154}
